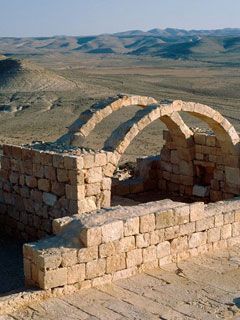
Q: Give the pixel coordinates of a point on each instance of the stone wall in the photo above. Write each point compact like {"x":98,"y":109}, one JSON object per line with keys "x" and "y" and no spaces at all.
{"x":210,"y":174}
{"x":38,"y":186}
{"x":115,"y":243}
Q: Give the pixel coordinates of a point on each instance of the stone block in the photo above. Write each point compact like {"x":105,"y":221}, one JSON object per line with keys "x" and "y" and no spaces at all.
{"x":112,"y":231}
{"x":38,"y":170}
{"x":131,"y":226}
{"x":88,"y":161}
{"x":52,"y":278}
{"x":163,"y":249}
{"x":44,"y":185}
{"x":50,"y":260}
{"x":94,"y":175}
{"x":108,"y":249}
{"x":147,"y":223}
{"x":116,"y":263}
{"x":156,"y":236}
{"x":229,"y":217}
{"x":179,"y":245}
{"x":149,"y":254}
{"x":226,"y":231}
{"x":58,"y":188}
{"x":218,"y":220}
{"x":95,"y":268}
{"x":197,"y":239}
{"x":100,"y":159}
{"x":214,"y":234}
{"x":50,"y":173}
{"x":75,"y":177}
{"x":75,"y":273}
{"x":49,"y":198}
{"x":165,"y":219}
{"x":93,"y":189}
{"x":69,"y":257}
{"x":182,"y":214}
{"x":87,"y":254}
{"x":123,"y":274}
{"x":75,"y":192}
{"x":171,"y":232}
{"x":142,"y":240}
{"x":126,"y":244}
{"x":62,"y":175}
{"x":187,"y":228}
{"x":134,"y":258}
{"x":91,"y":236}
{"x":197,"y":211}
{"x":205,"y":224}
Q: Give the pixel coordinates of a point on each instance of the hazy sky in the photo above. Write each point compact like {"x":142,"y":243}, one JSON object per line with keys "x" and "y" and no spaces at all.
{"x":85,"y":17}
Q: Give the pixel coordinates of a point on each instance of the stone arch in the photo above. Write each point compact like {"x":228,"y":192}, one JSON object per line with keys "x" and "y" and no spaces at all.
{"x":224,"y":130}
{"x":121,"y":137}
{"x":87,"y":120}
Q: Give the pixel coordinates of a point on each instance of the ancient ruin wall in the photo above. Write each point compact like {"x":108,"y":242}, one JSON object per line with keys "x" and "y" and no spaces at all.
{"x":115,"y":243}
{"x":38,"y":186}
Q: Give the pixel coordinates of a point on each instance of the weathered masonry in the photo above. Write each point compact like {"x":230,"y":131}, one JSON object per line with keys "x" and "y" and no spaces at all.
{"x":63,"y":190}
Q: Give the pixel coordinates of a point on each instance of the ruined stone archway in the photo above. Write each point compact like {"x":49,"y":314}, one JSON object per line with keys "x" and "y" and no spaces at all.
{"x":121,"y":138}
{"x":87,"y":120}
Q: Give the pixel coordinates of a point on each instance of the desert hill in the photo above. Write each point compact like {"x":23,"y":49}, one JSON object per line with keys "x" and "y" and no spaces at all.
{"x":169,"y":43}
{"x":25,"y":76}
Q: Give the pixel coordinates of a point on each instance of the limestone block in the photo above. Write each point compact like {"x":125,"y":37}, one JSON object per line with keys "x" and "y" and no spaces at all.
{"x":108,"y":249}
{"x":62,"y":175}
{"x":165,"y":260}
{"x":187,"y":228}
{"x":147,"y":223}
{"x":232,"y":175}
{"x":229,"y":217}
{"x":185,"y":168}
{"x":44,"y":185}
{"x":197,"y":211}
{"x":165,"y":219}
{"x":87,"y":254}
{"x":237,"y":215}
{"x":58,"y":188}
{"x":70,"y":163}
{"x":182,"y":214}
{"x":218,"y":220}
{"x":204,"y":224}
{"x":51,"y":260}
{"x":156,"y":236}
{"x":38,"y":196}
{"x":134,"y":258}
{"x":179,"y":245}
{"x":131,"y":226}
{"x":200,"y":138}
{"x":149,"y":254}
{"x":106,"y":199}
{"x":171,"y":232}
{"x":93,"y":189}
{"x":52,"y":278}
{"x":49,"y":198}
{"x":14,"y":177}
{"x":100,"y":159}
{"x":76,"y":177}
{"x":214,"y":234}
{"x":226,"y":231}
{"x":86,"y":205}
{"x":143,"y":240}
{"x":126,"y":244}
{"x":163,"y":249}
{"x":94,"y":175}
{"x":69,"y":257}
{"x":116,"y":263}
{"x":50,"y":173}
{"x":88,"y":161}
{"x":91,"y":236}
{"x":75,"y":192}
{"x":112,"y":231}
{"x":75,"y":273}
{"x":27,"y":269}
{"x":58,"y":161}
{"x":38,"y":170}
{"x":106,"y":183}
{"x":95,"y":268}
{"x":197,"y":239}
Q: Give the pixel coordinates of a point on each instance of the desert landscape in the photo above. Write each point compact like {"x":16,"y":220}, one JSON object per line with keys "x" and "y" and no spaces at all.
{"x":89,"y":233}
{"x":47,"y":82}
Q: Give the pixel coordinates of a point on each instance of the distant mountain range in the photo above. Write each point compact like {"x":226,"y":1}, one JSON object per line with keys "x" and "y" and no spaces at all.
{"x":168,"y":43}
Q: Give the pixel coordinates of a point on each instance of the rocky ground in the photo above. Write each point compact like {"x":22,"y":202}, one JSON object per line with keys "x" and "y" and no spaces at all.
{"x":205,"y":287}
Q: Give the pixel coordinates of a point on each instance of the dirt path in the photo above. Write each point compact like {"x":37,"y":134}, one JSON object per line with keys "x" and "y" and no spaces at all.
{"x":206,"y":287}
